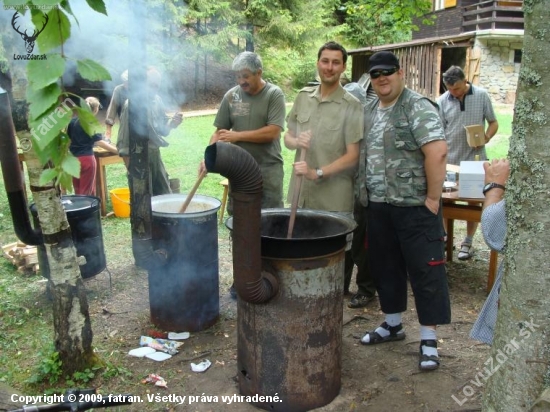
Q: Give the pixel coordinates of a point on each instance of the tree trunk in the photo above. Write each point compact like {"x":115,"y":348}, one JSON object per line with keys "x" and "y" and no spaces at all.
{"x":73,"y":332}
{"x":518,"y":367}
{"x":6,"y":393}
{"x":250,"y":37}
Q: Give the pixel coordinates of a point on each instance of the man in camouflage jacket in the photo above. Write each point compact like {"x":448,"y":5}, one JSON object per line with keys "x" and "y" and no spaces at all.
{"x":402,"y":169}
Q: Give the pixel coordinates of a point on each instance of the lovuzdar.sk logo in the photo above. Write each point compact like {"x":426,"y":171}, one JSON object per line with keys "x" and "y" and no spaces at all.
{"x":29,"y":39}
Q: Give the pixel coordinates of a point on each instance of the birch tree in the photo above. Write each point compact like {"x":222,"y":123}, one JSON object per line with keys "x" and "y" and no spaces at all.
{"x":52,"y":166}
{"x":519,"y":366}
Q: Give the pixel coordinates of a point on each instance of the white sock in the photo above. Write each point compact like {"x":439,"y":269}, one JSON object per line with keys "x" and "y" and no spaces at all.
{"x":392,"y":319}
{"x":427,"y":333}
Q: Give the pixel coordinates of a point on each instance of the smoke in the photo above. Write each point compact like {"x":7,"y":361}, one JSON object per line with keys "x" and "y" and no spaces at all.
{"x":106,"y":40}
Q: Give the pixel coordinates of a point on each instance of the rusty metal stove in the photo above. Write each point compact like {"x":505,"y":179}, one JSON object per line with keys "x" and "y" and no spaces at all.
{"x":291,"y":346}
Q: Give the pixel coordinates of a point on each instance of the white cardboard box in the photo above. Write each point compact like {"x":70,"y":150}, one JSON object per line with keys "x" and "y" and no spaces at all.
{"x":471,"y":179}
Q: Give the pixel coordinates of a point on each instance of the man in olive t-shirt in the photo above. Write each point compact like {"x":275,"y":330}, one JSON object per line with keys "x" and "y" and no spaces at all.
{"x":252,"y":116}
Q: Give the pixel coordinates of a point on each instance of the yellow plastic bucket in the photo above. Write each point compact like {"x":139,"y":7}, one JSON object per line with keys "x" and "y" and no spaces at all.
{"x":120,"y":199}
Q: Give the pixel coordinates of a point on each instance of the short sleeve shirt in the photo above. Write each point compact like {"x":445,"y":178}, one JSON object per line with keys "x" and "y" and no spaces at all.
{"x":240,"y":111}
{"x":493,"y":227}
{"x":335,"y":123}
{"x":120,"y":94}
{"x":476,"y":108}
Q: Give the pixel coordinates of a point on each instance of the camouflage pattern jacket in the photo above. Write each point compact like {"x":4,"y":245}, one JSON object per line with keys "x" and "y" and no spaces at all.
{"x":406,"y":182}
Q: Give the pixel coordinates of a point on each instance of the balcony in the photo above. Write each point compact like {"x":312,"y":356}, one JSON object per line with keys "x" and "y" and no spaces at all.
{"x":469,"y":16}
{"x":492,"y":15}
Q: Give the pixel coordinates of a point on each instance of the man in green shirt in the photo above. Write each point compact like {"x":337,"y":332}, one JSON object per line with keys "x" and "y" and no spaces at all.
{"x":252,"y":116}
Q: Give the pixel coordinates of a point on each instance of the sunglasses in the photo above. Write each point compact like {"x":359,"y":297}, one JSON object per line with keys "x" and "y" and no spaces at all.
{"x":387,"y":72}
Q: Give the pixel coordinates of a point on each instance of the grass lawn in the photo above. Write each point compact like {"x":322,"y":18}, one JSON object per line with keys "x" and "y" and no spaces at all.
{"x":497,"y":148}
{"x":187,"y":144}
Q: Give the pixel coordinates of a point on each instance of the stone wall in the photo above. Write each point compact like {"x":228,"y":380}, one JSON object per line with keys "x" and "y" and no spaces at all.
{"x":498,"y":72}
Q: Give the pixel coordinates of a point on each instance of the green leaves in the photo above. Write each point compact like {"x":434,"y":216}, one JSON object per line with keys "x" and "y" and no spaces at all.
{"x":49,"y":116}
{"x":42,"y":73}
{"x":87,"y":120}
{"x":91,"y":70}
{"x":97,"y":5}
{"x":376,"y":22}
{"x":71,"y":165}
{"x":56,"y":31}
{"x":47,"y":127}
{"x":42,"y":99}
{"x":47,"y":176}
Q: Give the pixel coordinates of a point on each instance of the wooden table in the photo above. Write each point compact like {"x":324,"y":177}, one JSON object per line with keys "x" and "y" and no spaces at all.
{"x":103,"y":158}
{"x":455,"y":208}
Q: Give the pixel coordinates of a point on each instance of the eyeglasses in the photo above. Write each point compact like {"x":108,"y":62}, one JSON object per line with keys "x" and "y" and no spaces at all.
{"x":386,"y":72}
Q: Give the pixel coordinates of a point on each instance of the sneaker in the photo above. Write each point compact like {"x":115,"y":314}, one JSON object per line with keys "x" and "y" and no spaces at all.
{"x":233,"y":292}
{"x":466,"y":251}
{"x":360,"y":301}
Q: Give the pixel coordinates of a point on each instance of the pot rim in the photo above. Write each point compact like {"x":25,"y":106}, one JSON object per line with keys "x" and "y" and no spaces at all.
{"x":348,"y":223}
{"x":180,"y":198}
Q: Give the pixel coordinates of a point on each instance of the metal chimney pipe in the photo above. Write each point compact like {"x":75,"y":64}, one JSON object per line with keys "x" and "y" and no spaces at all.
{"x":13,"y":178}
{"x":235,"y":163}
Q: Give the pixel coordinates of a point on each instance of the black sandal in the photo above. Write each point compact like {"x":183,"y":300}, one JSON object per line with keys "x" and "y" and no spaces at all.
{"x":396,"y":333}
{"x":425,"y":358}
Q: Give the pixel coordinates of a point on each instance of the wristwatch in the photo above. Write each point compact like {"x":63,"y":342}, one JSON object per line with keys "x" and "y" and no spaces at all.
{"x":319,"y":172}
{"x":490,"y":186}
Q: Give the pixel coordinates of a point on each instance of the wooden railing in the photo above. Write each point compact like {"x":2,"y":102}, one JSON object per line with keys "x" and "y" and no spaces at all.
{"x":493,"y":15}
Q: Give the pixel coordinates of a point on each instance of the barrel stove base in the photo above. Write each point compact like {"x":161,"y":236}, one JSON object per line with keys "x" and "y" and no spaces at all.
{"x":290,"y":347}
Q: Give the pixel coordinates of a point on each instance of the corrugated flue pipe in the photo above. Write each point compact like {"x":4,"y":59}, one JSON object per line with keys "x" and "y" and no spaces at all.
{"x":245,"y":179}
{"x":13,"y":178}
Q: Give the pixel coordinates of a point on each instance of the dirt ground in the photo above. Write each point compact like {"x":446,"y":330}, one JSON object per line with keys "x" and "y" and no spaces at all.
{"x":380,"y":378}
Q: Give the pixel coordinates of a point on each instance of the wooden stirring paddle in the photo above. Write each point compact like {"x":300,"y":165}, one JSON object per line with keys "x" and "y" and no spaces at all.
{"x":192,"y":192}
{"x":295,"y":197}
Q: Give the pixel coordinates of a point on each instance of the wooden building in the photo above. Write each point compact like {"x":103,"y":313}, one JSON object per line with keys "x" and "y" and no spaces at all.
{"x":485,"y":38}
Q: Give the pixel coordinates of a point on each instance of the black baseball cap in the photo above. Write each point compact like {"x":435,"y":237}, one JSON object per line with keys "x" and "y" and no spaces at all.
{"x":383,"y":60}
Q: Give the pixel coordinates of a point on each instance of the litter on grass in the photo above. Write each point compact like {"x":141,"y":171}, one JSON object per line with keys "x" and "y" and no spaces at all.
{"x":201,"y":367}
{"x":168,"y":346}
{"x":158,"y":356}
{"x":155,"y":379}
{"x":141,"y":352}
{"x":178,"y":335}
